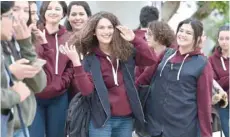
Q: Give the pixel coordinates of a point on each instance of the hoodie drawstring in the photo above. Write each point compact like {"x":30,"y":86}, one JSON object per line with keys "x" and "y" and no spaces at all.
{"x":57,"y":54}
{"x":178,"y":74}
{"x":170,"y":57}
{"x":222,"y":62}
{"x":167,"y":62}
{"x":115,"y":72}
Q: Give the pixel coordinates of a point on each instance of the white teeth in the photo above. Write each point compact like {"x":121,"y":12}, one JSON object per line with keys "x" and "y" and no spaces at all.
{"x":105,"y":36}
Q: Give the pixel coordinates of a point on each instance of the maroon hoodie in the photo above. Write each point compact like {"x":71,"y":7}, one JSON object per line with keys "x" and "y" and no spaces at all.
{"x":119,"y":102}
{"x":204,"y":89}
{"x":220,"y":67}
{"x":58,"y":69}
{"x":140,"y":33}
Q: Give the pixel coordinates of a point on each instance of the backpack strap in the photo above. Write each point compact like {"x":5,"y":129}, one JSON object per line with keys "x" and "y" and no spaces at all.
{"x":87,"y":61}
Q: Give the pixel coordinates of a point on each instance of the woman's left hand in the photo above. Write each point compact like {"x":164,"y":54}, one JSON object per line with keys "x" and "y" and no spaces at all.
{"x":126,"y":33}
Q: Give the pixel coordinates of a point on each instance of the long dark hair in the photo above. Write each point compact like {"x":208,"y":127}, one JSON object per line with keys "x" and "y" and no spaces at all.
{"x":45,"y":5}
{"x":222,"y":28}
{"x":86,"y":7}
{"x":197,"y":27}
{"x":86,"y":41}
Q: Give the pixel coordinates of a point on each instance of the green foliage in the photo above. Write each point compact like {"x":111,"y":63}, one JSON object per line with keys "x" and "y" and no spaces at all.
{"x":221,"y":6}
{"x":205,"y":8}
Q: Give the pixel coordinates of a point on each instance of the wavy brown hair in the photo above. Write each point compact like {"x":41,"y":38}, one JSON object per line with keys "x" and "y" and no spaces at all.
{"x":162,"y":33}
{"x":86,"y":41}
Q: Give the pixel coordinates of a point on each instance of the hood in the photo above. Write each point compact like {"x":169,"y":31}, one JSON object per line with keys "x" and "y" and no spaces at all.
{"x":60,"y":32}
{"x":217,"y":54}
{"x":177,"y":54}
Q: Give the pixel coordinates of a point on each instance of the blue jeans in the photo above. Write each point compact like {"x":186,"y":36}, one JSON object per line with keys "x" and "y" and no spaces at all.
{"x":224,"y":118}
{"x":115,"y":127}
{"x":19,"y":133}
{"x":50,"y":117}
{"x":4,"y":122}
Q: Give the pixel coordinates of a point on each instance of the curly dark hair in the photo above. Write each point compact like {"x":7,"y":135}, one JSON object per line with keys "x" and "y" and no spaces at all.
{"x":162,"y":32}
{"x":86,"y":41}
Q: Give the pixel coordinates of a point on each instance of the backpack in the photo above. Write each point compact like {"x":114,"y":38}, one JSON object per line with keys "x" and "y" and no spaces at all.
{"x":79,"y":113}
{"x":78,"y":117}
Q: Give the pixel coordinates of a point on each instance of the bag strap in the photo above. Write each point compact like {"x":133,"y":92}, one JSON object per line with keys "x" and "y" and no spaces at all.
{"x":18,"y":107}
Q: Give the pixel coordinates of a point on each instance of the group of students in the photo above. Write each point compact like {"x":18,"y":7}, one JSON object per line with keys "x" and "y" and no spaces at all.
{"x":35,"y":98}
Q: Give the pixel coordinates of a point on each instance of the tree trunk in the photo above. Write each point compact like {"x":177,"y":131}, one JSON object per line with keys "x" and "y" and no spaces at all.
{"x":169,"y":8}
{"x":203,"y":11}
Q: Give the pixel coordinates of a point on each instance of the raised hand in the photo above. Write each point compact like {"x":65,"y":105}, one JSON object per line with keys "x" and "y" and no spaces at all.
{"x":21,"y":30}
{"x":40,"y":35}
{"x":71,"y":53}
{"x":126,"y":33}
{"x":21,"y":69}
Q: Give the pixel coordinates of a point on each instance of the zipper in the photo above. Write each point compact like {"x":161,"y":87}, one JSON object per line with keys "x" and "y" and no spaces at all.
{"x":101,"y":104}
{"x":172,"y":66}
{"x":135,"y":91}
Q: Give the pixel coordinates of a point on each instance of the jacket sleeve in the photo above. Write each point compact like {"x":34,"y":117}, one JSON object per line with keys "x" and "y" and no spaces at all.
{"x":204,"y":100}
{"x":38,"y":82}
{"x":144,"y":55}
{"x":9,"y":98}
{"x":146,"y":77}
{"x":82,"y":81}
{"x":59,"y":82}
{"x":138,"y":71}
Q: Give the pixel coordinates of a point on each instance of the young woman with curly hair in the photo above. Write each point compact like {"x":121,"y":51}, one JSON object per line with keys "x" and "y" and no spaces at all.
{"x":115,"y":51}
{"x":179,"y":102}
{"x":159,"y":36}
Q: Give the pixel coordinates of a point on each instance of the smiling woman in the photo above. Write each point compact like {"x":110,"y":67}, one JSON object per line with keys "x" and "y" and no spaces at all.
{"x":77,"y":14}
{"x":53,"y":101}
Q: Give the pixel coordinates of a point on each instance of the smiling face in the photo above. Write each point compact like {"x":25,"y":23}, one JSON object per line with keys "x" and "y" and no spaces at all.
{"x":54,"y":13}
{"x":104,"y":31}
{"x":185,"y":36}
{"x":77,"y":17}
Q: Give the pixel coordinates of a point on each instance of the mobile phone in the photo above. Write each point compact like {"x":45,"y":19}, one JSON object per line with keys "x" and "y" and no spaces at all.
{"x":39,"y":62}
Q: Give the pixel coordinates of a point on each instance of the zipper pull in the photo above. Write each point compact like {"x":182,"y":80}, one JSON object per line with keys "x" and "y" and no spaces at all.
{"x":172,"y":66}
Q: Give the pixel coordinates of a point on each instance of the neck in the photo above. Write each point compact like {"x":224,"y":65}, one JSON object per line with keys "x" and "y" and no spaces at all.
{"x":159,"y":49}
{"x":52,"y":28}
{"x":225,"y":53}
{"x":187,"y":49}
{"x":105,"y":48}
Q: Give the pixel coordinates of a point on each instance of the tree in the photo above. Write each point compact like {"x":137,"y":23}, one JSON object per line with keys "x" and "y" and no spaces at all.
{"x":204,"y":9}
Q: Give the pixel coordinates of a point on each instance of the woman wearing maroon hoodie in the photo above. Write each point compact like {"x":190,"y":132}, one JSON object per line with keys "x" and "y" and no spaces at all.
{"x":109,"y":77}
{"x":52,"y":103}
{"x":179,"y":104}
{"x":220,"y":64}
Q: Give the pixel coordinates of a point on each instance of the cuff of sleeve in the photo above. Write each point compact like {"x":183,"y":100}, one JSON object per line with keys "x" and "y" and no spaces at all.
{"x":78,"y":71}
